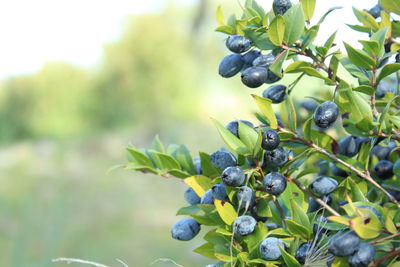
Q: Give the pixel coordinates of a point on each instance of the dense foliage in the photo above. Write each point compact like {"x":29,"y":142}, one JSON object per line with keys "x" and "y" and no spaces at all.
{"x":314,"y":190}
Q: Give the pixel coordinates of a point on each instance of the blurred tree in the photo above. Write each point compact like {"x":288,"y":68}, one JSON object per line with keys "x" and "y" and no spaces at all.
{"x":154,"y":73}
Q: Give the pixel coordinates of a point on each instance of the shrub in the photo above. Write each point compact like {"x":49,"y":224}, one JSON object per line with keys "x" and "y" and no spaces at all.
{"x":316,"y":192}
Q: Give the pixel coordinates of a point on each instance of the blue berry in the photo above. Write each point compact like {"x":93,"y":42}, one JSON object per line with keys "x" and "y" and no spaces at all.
{"x":238,"y":44}
{"x":191,"y":197}
{"x":326,"y":114}
{"x":230,"y":65}
{"x":246,"y":197}
{"x":223,"y":159}
{"x":207,"y":198}
{"x":274,"y":183}
{"x":281,"y":6}
{"x":384,"y":169}
{"x":363,"y":257}
{"x":244,"y":225}
{"x":277,"y":93}
{"x":254,"y":77}
{"x":233,"y":176}
{"x":219,"y":192}
{"x":185,"y":229}
{"x":270,"y":140}
{"x":344,"y":244}
{"x":323,"y":185}
{"x":269,"y":248}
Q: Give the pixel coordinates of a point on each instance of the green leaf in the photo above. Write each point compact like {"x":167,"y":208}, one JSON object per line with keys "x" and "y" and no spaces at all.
{"x":177,"y":173}
{"x":359,"y":58}
{"x":292,"y":192}
{"x":327,"y":13}
{"x":257,"y":147}
{"x":296,"y":66}
{"x":390,"y":226}
{"x":300,"y":216}
{"x":183,"y":156}
{"x":135,"y":167}
{"x":329,"y":42}
{"x":386,"y":23}
{"x":357,"y":72}
{"x":276,"y":67}
{"x":366,"y":227}
{"x":226,"y":211}
{"x":220,"y":16}
{"x":190,"y":210}
{"x":366,"y":19}
{"x":259,"y":39}
{"x":334,"y":66}
{"x":360,"y":28}
{"x":297,"y":229}
{"x":385,"y":113}
{"x":206,"y":250}
{"x":263,"y":209}
{"x":157,"y":145}
{"x":289,"y":259}
{"x":308,"y":8}
{"x":139,"y":157}
{"x":207,"y":167}
{"x":380,"y":37}
{"x":364,"y":154}
{"x":365,"y":89}
{"x":225,"y":29}
{"x":277,"y":30}
{"x":371,"y":47}
{"x":164,"y":161}
{"x":310,"y":36}
{"x":314,"y":73}
{"x":350,"y":101}
{"x":387,"y":70}
{"x":307,"y":129}
{"x":199,"y":183}
{"x":294,"y":24}
{"x":391,"y":5}
{"x":230,"y":139}
{"x":258,"y":9}
{"x":340,"y":262}
{"x":291,"y":113}
{"x":265,"y":106}
{"x":247,"y":135}
{"x":340,"y":219}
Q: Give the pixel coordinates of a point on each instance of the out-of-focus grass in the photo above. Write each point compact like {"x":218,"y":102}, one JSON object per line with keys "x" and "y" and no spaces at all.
{"x":57,"y":200}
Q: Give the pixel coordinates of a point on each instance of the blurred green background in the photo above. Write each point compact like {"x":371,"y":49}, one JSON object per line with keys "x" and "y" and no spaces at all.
{"x":63,"y":127}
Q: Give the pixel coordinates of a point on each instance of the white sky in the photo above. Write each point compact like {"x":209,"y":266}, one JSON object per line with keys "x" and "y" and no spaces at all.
{"x":33,"y":32}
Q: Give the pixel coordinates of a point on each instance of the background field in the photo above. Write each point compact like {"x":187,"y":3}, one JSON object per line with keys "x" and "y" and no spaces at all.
{"x":64,"y":126}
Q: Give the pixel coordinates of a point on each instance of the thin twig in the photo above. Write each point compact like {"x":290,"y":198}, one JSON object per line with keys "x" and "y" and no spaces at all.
{"x":73,"y":260}
{"x":311,"y":194}
{"x":361,"y":174}
{"x":165,"y":260}
{"x":355,"y":170}
{"x":123,"y":263}
{"x":379,"y":240}
{"x":281,"y":213}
